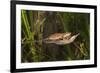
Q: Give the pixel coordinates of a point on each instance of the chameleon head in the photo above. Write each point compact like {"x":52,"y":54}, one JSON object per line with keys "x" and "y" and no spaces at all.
{"x":74,"y":37}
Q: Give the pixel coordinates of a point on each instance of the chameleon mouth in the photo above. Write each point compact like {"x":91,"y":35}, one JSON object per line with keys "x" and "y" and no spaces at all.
{"x":77,"y":35}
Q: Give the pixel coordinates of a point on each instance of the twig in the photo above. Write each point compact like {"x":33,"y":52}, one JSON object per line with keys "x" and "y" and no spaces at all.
{"x":79,"y":49}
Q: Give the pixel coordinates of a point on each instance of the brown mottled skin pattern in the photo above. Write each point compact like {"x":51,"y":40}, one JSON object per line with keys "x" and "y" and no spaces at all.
{"x":59,"y":36}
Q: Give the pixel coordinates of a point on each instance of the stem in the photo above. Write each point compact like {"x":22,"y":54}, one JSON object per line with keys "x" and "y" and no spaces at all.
{"x":79,"y":48}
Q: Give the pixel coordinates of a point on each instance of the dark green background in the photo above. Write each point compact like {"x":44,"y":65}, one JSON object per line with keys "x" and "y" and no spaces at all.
{"x":37,"y":25}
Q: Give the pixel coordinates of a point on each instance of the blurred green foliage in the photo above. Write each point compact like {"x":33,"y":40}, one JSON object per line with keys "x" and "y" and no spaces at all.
{"x":37,"y":25}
